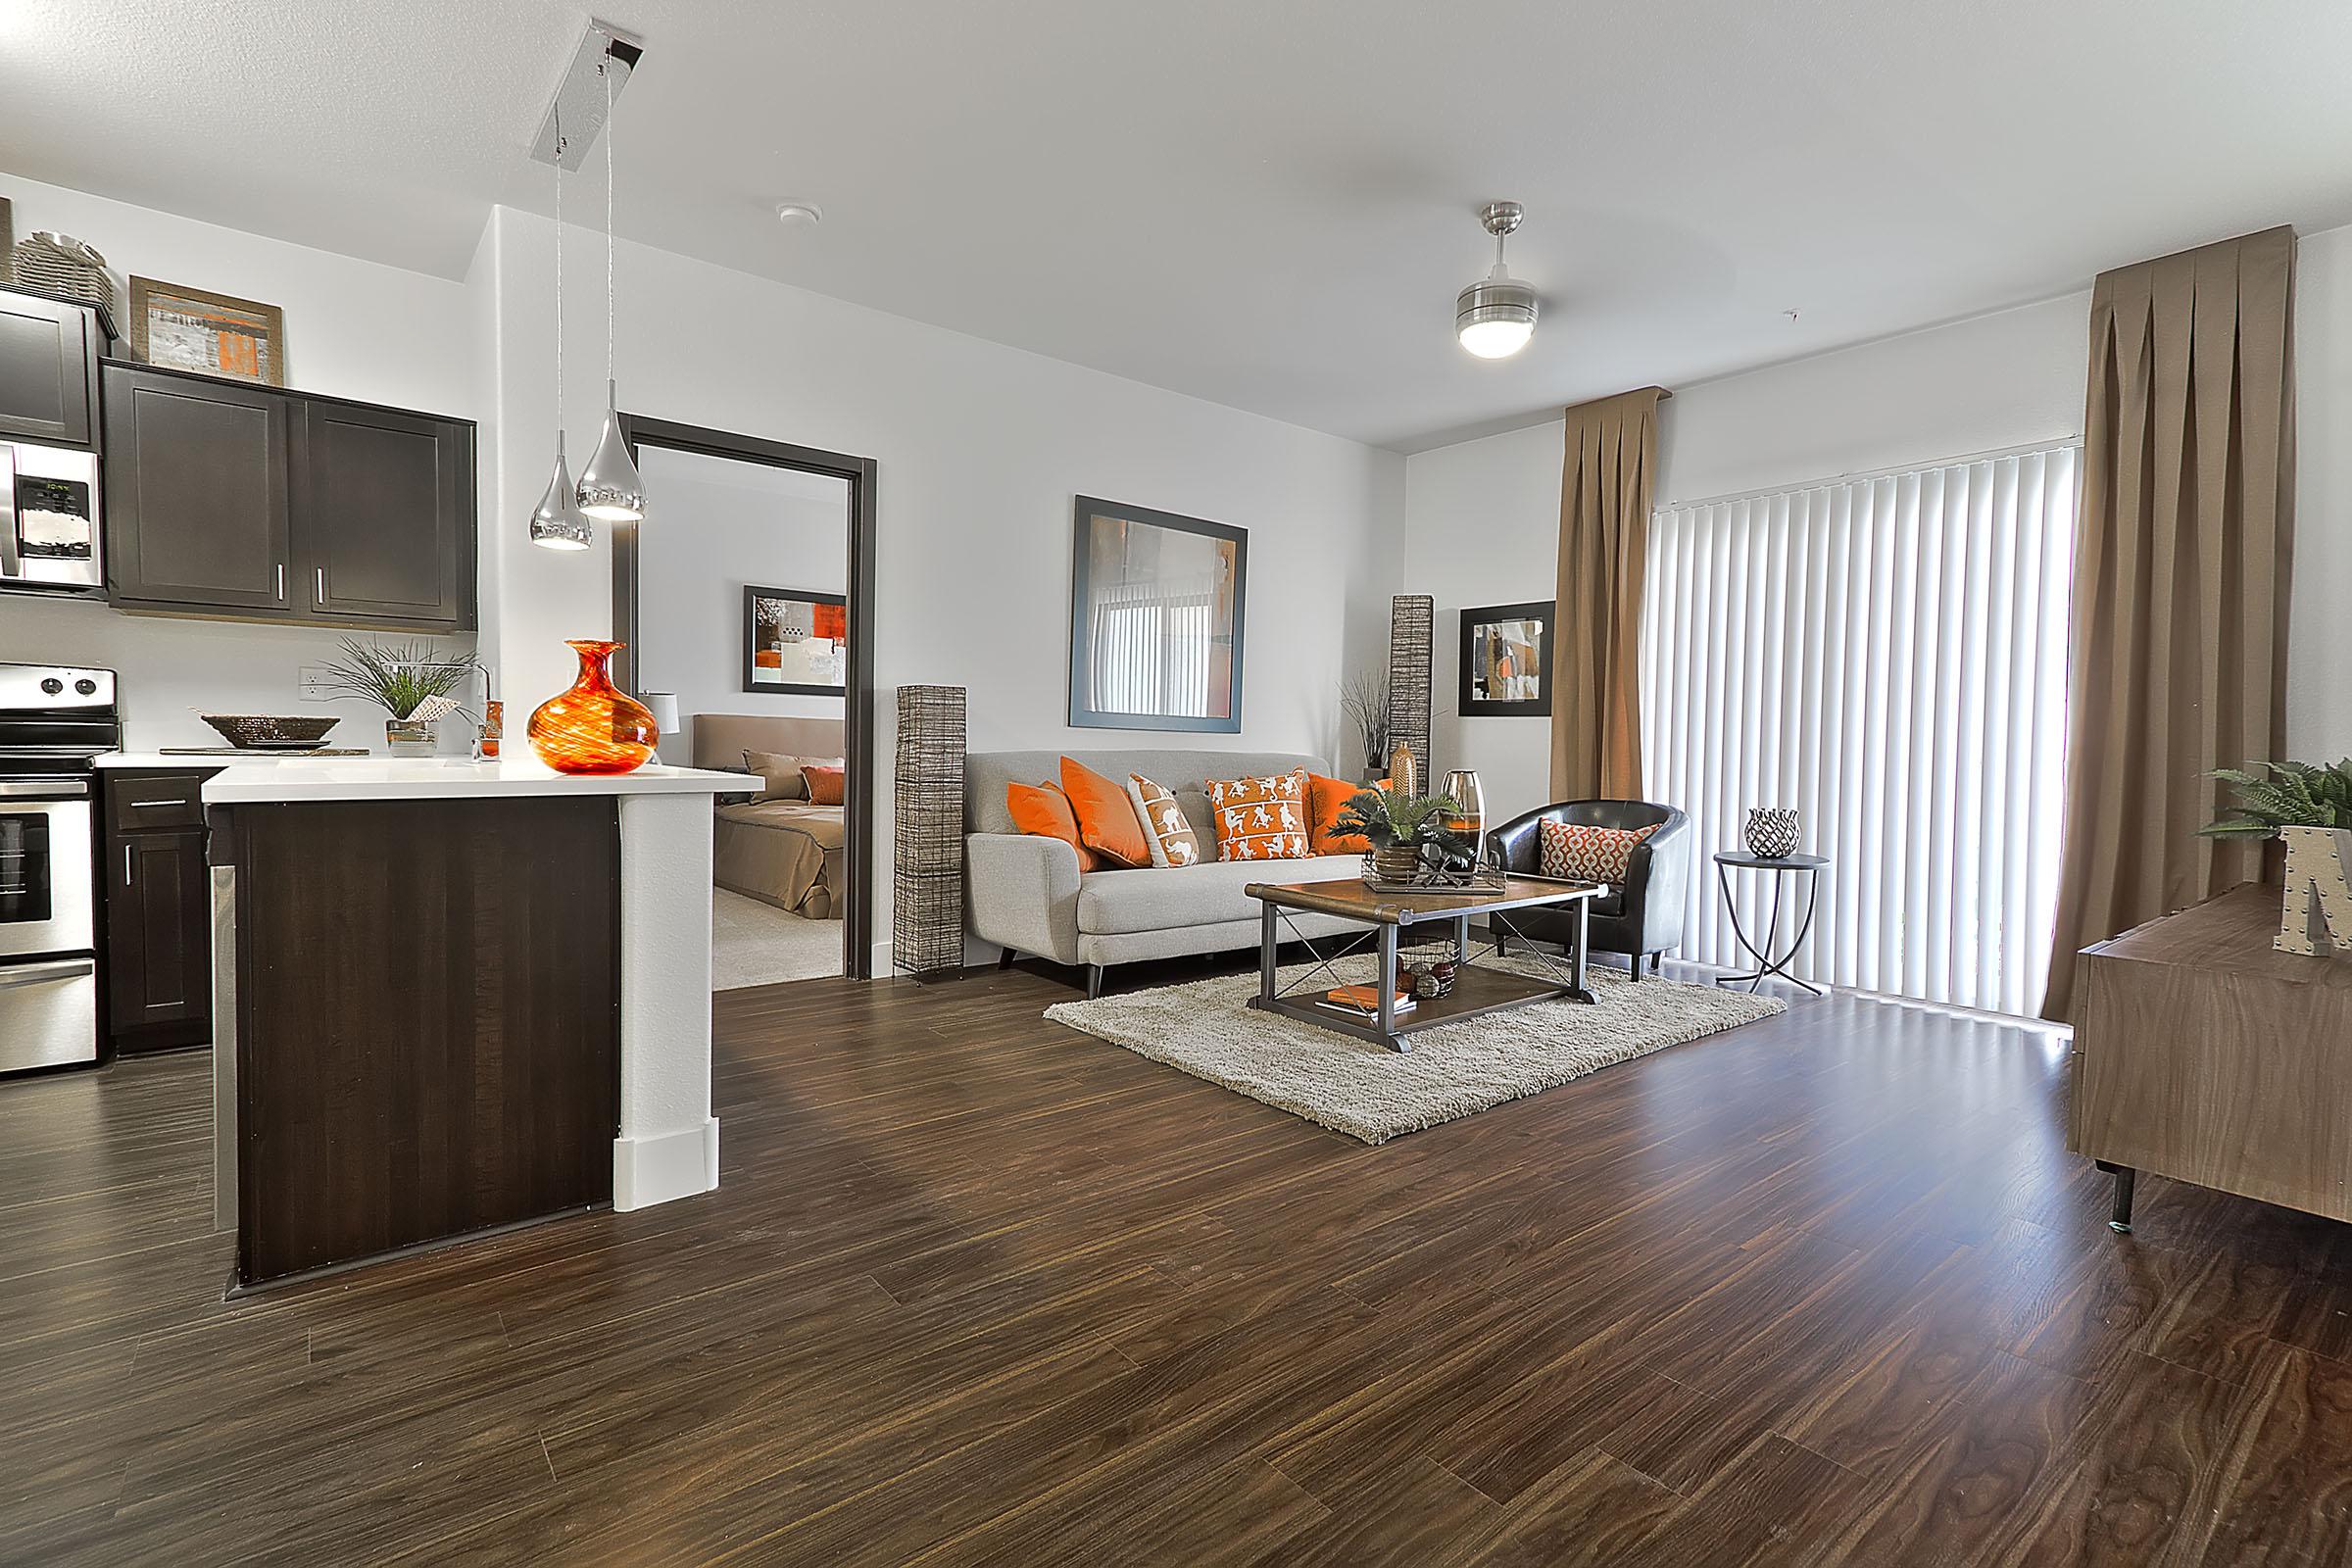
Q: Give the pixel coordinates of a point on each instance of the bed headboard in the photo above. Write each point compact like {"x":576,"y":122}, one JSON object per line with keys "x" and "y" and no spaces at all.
{"x":719,"y":740}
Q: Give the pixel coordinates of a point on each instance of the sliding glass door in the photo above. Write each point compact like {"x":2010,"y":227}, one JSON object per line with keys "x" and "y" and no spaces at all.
{"x":1888,"y":656}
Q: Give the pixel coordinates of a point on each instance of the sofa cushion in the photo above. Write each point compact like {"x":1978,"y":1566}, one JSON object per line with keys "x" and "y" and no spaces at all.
{"x":1261,"y":818}
{"x":1107,"y":823}
{"x":1168,"y":834}
{"x":1043,"y":809}
{"x":1158,"y":899}
{"x":1181,"y":770}
{"x":1586,"y":852}
{"x":1325,"y":797}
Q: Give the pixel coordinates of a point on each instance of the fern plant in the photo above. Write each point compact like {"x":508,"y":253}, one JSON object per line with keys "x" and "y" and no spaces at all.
{"x":2275,"y":795}
{"x":1389,"y":817}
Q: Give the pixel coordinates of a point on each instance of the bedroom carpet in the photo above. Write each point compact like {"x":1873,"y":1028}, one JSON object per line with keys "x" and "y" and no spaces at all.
{"x":755,"y":944}
{"x":1372,"y":1092}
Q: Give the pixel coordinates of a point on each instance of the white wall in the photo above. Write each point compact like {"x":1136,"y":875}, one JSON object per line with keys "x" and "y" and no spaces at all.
{"x":354,"y":330}
{"x":981,"y":450}
{"x":714,"y":525}
{"x":1980,"y":385}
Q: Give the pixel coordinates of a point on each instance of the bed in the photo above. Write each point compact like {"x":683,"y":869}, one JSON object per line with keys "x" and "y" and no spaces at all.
{"x":784,"y":853}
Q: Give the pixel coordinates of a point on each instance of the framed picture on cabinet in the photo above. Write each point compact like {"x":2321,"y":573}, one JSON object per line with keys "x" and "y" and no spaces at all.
{"x":1156,"y":605}
{"x":182,"y":329}
{"x":1506,"y":660}
{"x":795,"y":641}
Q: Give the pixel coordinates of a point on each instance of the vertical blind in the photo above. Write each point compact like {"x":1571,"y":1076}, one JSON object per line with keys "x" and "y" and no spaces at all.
{"x":1151,"y":645}
{"x":1888,"y":656}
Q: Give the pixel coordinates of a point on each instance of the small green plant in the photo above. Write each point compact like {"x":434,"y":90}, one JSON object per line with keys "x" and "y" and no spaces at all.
{"x":399,"y":677}
{"x":1389,"y":817}
{"x":2275,"y":795}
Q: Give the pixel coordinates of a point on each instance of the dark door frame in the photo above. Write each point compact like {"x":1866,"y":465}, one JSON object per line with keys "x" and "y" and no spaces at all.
{"x":858,"y":704}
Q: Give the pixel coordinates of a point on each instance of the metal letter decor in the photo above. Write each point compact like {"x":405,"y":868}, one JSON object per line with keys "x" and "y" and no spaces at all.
{"x":2318,"y":896}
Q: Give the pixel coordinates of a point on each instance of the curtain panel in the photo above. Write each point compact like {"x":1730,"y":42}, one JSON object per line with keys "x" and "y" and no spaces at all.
{"x":1607,"y":472}
{"x":2182,"y":568}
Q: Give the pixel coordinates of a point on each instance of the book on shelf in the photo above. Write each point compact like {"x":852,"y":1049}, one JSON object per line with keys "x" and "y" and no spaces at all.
{"x":1363,"y":1002}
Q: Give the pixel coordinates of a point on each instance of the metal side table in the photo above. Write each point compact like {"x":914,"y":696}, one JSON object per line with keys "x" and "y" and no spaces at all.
{"x":1807,"y":866}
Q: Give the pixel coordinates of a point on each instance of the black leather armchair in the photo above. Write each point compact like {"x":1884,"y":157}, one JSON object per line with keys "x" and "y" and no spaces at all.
{"x":1643,"y":916}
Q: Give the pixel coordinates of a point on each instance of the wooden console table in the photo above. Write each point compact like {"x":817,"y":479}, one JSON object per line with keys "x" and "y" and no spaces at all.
{"x":2203,"y":1053}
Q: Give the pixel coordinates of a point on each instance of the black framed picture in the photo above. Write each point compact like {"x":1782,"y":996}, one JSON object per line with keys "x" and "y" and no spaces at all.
{"x":1506,"y":660}
{"x":795,"y":641}
{"x":1155,"y":619}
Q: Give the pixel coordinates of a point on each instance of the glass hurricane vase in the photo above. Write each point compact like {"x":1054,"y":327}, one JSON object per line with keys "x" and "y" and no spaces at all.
{"x":593,"y":726}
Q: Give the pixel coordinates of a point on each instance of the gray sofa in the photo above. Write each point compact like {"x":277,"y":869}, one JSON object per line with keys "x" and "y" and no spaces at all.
{"x":1026,"y":895}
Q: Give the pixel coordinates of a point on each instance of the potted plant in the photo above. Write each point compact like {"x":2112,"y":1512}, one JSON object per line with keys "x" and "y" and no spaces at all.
{"x":410,"y":682}
{"x":1364,"y":698}
{"x":2310,"y":808}
{"x":1399,"y":827}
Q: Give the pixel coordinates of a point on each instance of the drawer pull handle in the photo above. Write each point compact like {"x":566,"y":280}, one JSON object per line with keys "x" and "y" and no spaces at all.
{"x":126,"y":866}
{"x":144,"y":805}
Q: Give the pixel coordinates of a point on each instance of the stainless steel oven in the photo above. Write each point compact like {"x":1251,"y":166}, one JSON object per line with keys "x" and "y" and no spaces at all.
{"x":50,"y":539}
{"x":54,"y":719}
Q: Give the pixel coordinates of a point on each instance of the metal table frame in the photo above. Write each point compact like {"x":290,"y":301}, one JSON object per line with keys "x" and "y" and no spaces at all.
{"x":1810,"y":867}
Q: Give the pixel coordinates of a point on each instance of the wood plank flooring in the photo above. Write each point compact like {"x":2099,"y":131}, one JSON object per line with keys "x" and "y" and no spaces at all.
{"x":979,"y":1289}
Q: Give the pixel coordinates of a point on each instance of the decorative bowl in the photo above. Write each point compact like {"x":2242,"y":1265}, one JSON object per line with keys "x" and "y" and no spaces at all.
{"x":273,"y":732}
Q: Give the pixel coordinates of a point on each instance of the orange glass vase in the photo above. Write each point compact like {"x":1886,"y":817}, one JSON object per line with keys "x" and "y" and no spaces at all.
{"x":594,"y":727}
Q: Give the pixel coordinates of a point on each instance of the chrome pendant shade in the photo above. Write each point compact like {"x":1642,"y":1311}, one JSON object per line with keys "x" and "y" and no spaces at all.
{"x":559,"y":524}
{"x":609,"y":490}
{"x":1496,"y":315}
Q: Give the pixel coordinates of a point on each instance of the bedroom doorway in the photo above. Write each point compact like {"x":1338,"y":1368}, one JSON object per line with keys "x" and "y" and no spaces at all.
{"x":746,"y":598}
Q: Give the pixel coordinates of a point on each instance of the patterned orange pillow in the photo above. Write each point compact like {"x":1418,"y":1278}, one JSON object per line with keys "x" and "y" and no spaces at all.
{"x":1172,"y":839}
{"x":1576,"y":851}
{"x":1325,"y":798}
{"x":1260,"y":819}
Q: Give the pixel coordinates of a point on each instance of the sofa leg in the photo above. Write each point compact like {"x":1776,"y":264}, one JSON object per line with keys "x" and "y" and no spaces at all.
{"x":1004,"y":959}
{"x":1657,"y":961}
{"x":1094,"y":981}
{"x":1633,"y":968}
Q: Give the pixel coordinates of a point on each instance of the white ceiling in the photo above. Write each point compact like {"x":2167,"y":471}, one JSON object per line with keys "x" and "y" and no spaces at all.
{"x":1267,"y":203}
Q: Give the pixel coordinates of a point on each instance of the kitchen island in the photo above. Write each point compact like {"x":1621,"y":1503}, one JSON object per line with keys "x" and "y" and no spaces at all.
{"x":451,"y":997}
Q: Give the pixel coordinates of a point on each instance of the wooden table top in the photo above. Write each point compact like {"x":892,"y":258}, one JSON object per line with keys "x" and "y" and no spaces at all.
{"x":2231,"y":931}
{"x":1350,"y":899}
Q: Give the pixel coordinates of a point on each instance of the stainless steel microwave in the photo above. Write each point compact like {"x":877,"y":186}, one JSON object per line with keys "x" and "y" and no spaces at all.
{"x":50,"y":539}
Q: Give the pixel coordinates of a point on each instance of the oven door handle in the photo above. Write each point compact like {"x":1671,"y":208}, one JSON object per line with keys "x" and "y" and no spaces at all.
{"x":12,"y":564}
{"x":54,"y":789}
{"x":34,"y":974}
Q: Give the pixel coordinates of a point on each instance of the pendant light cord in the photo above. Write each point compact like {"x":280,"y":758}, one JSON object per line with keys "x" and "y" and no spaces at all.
{"x":559,"y":274}
{"x":605,"y":70}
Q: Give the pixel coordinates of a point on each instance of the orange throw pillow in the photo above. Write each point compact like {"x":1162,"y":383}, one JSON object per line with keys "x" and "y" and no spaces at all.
{"x":1107,"y":819}
{"x":1325,"y":797}
{"x":826,"y":785}
{"x":1043,"y":809}
{"x":1260,"y":819}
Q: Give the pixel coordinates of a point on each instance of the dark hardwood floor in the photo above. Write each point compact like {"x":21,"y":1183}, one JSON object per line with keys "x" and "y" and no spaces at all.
{"x":978,"y":1290}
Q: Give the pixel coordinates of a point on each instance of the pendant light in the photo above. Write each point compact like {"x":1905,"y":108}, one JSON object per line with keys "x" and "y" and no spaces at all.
{"x":609,"y":488}
{"x":558,"y":524}
{"x":1496,"y":315}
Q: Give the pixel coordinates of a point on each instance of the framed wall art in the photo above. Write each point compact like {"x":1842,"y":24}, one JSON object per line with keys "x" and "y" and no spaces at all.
{"x":1506,"y":660}
{"x":182,"y":329}
{"x":795,"y":641}
{"x":1155,"y":619}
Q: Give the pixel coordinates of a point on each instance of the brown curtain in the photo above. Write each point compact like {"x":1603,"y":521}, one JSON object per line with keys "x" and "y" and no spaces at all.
{"x":2181,"y":581}
{"x":1606,"y":475}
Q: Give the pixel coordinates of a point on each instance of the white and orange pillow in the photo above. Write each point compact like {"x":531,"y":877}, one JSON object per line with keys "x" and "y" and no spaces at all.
{"x":1260,"y":819}
{"x":1577,"y":851}
{"x":1169,"y":837}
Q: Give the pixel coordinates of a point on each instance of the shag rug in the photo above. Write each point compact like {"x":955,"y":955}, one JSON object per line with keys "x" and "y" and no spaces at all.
{"x":1372,"y":1092}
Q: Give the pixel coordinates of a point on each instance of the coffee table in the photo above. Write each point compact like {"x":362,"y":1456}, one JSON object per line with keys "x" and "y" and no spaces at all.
{"x":1385,"y":917}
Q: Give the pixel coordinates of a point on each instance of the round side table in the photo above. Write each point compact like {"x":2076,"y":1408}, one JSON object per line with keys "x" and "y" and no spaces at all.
{"x":1806,"y":866}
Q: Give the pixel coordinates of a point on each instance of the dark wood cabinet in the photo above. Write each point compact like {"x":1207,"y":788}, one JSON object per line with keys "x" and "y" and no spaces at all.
{"x":196,"y":494}
{"x":159,"y":950}
{"x":248,"y":501}
{"x":386,"y":505}
{"x":49,"y":352}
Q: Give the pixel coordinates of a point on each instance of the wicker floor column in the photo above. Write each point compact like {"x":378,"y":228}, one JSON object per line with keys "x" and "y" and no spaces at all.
{"x":926,"y":925}
{"x":1411,"y":621}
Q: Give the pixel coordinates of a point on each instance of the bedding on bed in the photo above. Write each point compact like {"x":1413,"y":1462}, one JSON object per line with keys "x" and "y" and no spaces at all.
{"x":784,"y":853}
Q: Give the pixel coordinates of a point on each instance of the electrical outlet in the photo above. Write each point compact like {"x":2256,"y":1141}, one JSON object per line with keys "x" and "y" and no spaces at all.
{"x":317,"y":685}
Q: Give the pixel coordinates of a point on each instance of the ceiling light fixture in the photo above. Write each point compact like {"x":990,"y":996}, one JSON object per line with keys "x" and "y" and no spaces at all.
{"x":1496,"y":315}
{"x":559,"y":524}
{"x":798,"y":214}
{"x":609,"y":489}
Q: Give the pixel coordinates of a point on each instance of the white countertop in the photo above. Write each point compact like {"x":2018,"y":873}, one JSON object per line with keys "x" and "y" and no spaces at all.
{"x":382,"y":778}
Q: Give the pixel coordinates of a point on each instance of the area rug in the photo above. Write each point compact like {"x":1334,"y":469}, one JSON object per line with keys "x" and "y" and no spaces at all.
{"x":1372,"y":1092}
{"x":755,"y":944}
